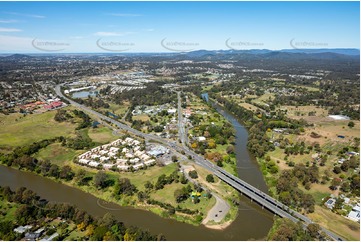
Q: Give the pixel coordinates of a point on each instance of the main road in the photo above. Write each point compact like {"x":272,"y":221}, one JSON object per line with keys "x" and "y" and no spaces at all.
{"x":253,"y":193}
{"x":181,"y":129}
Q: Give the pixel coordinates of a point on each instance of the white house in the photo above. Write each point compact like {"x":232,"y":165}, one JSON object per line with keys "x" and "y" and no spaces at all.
{"x":107,"y":166}
{"x":355,"y":213}
{"x":103,"y":152}
{"x":138,"y":166}
{"x":114,"y":149}
{"x":150,"y":162}
{"x":95,"y":156}
{"x":84,"y":161}
{"x":123,"y":168}
{"x":93,"y":164}
{"x":201,"y":138}
{"x":103,"y":158}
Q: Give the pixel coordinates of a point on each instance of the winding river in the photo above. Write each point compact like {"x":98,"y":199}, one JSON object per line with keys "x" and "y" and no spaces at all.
{"x":252,"y":221}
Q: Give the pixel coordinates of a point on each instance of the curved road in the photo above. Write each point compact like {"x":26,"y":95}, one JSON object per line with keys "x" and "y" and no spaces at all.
{"x":253,"y":193}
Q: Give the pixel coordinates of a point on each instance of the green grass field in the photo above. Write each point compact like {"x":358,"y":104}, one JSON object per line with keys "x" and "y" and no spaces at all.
{"x":57,"y":154}
{"x":16,"y":130}
{"x":7,"y":210}
{"x":101,"y":135}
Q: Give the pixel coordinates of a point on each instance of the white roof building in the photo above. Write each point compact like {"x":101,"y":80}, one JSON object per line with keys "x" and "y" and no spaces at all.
{"x":107,"y":166}
{"x":144,"y":157}
{"x":172,"y":111}
{"x":114,"y":149}
{"x":150,"y":162}
{"x":104,"y":158}
{"x":123,"y":168}
{"x":128,"y":155}
{"x":95,"y":156}
{"x":133,"y":161}
{"x":112,"y":154}
{"x":121,"y":161}
{"x":129,"y":140}
{"x":103,"y":152}
{"x":138,"y":153}
{"x":22,"y":229}
{"x":83,"y":161}
{"x":125,"y":150}
{"x":138,"y":166}
{"x":93,"y":164}
{"x":201,"y":138}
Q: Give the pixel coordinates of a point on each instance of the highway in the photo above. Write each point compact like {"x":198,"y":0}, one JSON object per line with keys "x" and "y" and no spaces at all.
{"x":181,"y":129}
{"x":253,"y":193}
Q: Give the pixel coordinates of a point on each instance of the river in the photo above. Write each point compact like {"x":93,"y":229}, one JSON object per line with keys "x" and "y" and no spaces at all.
{"x":252,"y":221}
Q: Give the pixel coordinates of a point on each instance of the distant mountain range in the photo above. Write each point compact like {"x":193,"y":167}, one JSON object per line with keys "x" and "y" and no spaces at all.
{"x":265,"y":52}
{"x":339,"y":53}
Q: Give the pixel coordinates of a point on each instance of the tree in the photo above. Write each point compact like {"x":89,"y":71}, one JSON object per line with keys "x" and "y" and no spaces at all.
{"x":54,"y":171}
{"x":313,"y":229}
{"x":196,"y":200}
{"x":124,"y":186}
{"x":210,"y":178}
{"x":335,"y":183}
{"x":230,"y":149}
{"x":148,"y":185}
{"x":345,"y":165}
{"x":183,"y":179}
{"x":337,"y":170}
{"x":66,"y":173}
{"x":180,"y":195}
{"x":100,"y":179}
{"x":351,"y":124}
{"x":193,"y":174}
{"x":99,"y":233}
{"x":89,"y":230}
{"x":174,"y":158}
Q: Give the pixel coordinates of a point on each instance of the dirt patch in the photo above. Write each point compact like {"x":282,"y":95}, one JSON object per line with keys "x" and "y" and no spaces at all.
{"x":218,"y":226}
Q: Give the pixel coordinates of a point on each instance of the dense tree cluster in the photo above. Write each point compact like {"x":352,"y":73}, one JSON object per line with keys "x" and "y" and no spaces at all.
{"x":92,"y":102}
{"x":152,"y":95}
{"x":284,"y":229}
{"x":288,"y":191}
{"x":32,"y":209}
{"x":85,"y":117}
{"x":62,"y":115}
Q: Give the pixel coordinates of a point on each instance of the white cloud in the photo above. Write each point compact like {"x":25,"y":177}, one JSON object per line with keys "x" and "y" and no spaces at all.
{"x":112,"y":33}
{"x":9,"y":30}
{"x":26,"y":15}
{"x":149,"y":30}
{"x":76,"y":37}
{"x":125,"y":15}
{"x":13,"y":43}
{"x":8,"y":21}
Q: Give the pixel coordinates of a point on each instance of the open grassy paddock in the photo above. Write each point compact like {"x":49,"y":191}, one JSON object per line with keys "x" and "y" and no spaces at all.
{"x":16,"y":130}
{"x":101,"y":134}
{"x":58,"y":154}
{"x":347,"y":229}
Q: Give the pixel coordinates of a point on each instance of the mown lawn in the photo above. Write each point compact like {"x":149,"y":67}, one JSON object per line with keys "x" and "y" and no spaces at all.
{"x":166,"y":195}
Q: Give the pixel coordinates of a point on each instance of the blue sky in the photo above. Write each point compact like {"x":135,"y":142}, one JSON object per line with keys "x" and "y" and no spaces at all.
{"x":175,"y":26}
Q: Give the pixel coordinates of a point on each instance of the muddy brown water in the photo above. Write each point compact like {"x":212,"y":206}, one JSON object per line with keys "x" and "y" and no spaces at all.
{"x":252,"y":222}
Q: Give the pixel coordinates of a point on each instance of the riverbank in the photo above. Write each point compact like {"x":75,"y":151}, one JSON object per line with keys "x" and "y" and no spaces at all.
{"x":56,"y":192}
{"x":133,"y":201}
